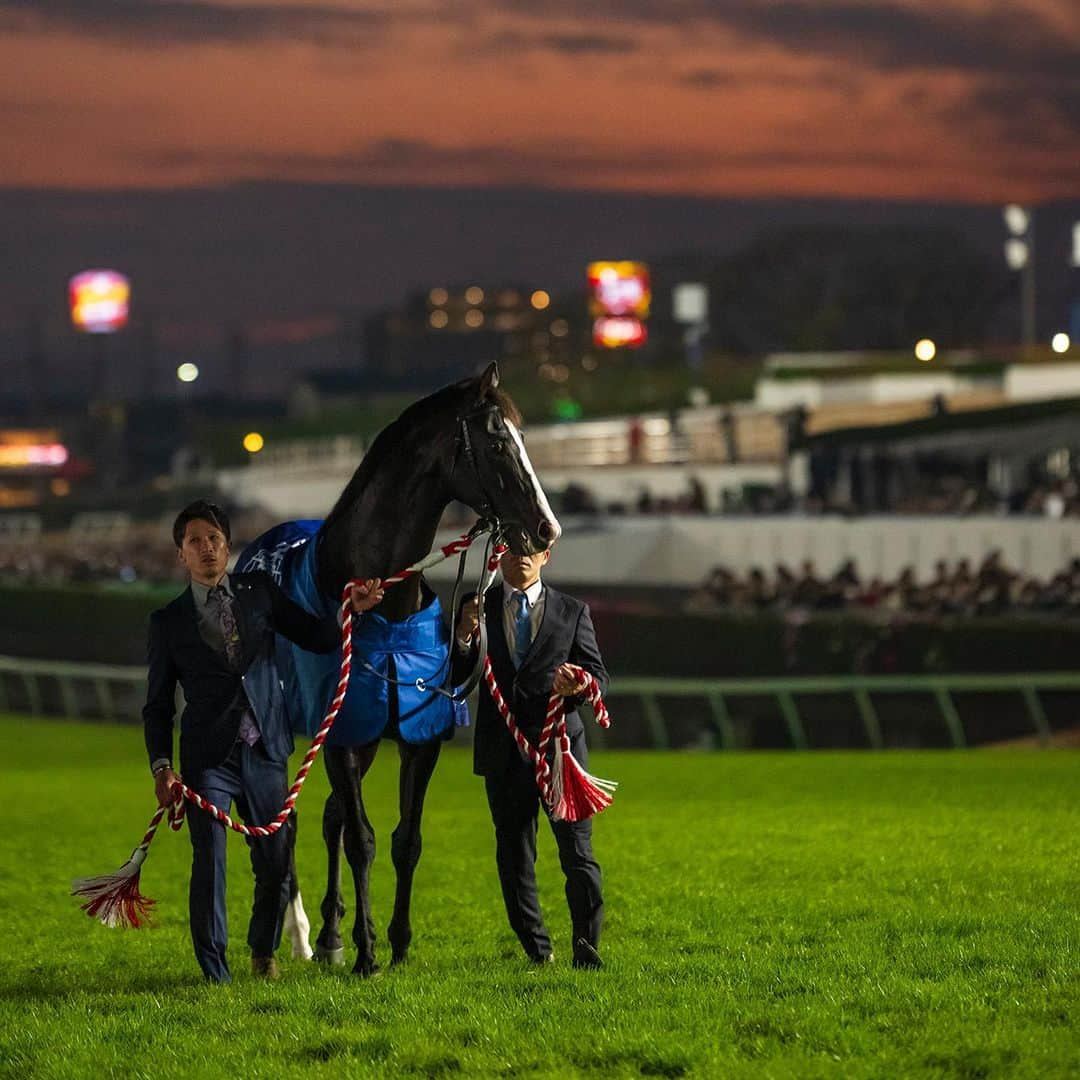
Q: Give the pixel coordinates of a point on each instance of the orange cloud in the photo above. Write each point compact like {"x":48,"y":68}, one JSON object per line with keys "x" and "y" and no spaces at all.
{"x":948,"y":100}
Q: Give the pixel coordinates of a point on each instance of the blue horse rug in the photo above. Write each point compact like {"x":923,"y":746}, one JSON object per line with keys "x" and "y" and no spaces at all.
{"x":416,"y":647}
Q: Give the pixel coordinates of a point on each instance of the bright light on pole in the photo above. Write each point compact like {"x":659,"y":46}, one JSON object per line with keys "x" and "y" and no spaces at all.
{"x":1017,"y":219}
{"x":187,"y":372}
{"x":1016,"y":253}
{"x":925,"y":350}
{"x":1060,"y":343}
{"x":1020,"y":256}
{"x":253,"y":442}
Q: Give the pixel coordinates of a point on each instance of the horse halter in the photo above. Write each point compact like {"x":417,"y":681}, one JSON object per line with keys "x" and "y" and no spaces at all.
{"x":464,"y":445}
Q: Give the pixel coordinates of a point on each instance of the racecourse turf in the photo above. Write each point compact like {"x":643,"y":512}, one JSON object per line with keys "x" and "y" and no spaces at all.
{"x":768,"y":915}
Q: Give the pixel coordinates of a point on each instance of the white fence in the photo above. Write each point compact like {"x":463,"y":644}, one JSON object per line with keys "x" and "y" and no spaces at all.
{"x":680,"y":551}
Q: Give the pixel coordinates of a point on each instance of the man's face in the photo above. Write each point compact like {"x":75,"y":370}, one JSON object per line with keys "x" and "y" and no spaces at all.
{"x":204,"y":552}
{"x":520,"y":571}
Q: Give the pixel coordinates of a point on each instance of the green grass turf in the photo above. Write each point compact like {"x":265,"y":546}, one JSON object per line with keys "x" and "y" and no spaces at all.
{"x":769,"y":915}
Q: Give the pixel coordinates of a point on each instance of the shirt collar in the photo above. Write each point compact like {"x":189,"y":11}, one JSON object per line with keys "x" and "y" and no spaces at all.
{"x":201,"y":592}
{"x":532,"y":592}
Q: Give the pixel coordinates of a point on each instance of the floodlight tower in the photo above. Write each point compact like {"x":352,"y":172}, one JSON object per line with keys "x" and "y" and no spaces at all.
{"x":1020,"y":255}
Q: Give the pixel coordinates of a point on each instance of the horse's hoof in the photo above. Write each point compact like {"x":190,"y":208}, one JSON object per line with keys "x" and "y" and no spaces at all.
{"x":330,"y":957}
{"x":366,"y":971}
{"x":399,"y":957}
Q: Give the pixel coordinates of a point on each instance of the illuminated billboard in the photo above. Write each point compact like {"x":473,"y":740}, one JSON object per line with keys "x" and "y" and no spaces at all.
{"x":619,"y":288}
{"x":619,"y":332}
{"x":99,"y":301}
{"x":30,"y":450}
{"x":619,"y":297}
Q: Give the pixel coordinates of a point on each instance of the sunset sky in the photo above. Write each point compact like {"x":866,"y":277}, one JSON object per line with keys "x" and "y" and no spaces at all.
{"x":967,"y":100}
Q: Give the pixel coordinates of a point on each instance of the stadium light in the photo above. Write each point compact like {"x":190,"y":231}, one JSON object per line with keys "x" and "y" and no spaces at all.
{"x":925,"y":350}
{"x":1016,"y":253}
{"x":1017,"y":219}
{"x":253,"y":442}
{"x":187,"y":372}
{"x":1060,"y":343}
{"x":1020,"y":256}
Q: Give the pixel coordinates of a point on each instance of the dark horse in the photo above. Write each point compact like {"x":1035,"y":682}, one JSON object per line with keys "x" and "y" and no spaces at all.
{"x":463,"y":443}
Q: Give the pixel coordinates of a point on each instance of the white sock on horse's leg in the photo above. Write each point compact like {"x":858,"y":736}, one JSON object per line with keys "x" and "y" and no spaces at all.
{"x":297,"y":929}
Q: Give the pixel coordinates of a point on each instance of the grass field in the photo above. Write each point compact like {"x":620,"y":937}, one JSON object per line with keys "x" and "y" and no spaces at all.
{"x":853,"y":915}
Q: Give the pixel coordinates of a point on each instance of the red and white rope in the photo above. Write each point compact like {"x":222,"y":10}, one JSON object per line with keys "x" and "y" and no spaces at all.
{"x":455,"y":547}
{"x":114,"y":898}
{"x":570,"y":793}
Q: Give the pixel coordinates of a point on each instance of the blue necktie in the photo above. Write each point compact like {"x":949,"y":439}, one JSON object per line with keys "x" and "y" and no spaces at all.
{"x":522,"y":628}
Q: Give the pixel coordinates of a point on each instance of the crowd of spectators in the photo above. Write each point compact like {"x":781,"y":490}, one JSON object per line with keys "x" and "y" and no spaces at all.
{"x":1048,"y":498}
{"x":125,"y":555}
{"x":992,"y":588}
{"x":128,"y":564}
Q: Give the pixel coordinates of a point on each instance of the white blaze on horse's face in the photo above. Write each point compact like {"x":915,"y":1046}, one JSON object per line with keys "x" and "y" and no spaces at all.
{"x":554,"y":528}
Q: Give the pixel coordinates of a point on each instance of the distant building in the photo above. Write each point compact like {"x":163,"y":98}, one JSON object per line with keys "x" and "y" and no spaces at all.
{"x":444,"y":332}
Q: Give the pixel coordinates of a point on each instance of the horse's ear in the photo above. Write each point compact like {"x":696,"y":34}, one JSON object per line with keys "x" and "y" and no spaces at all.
{"x":489,"y":380}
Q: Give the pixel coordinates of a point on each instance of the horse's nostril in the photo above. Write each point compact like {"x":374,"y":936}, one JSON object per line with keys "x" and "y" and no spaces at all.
{"x":548,"y":531}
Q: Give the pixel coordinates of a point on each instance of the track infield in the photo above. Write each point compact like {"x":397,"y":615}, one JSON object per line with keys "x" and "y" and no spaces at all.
{"x":768,"y":915}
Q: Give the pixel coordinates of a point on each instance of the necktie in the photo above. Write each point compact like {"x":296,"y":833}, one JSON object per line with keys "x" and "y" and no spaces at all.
{"x":522,"y":628}
{"x":230,"y":632}
{"x":226,"y":619}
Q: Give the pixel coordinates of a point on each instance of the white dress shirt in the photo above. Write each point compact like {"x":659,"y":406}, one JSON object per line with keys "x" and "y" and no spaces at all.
{"x":535,"y":595}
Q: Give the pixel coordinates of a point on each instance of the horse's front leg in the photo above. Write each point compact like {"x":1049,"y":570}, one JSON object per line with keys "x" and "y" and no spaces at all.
{"x":417,"y":765}
{"x":329,"y":948}
{"x":346,"y":767}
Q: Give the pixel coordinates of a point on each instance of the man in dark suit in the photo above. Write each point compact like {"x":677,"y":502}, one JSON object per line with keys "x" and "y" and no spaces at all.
{"x":534,"y":634}
{"x":217,"y":641}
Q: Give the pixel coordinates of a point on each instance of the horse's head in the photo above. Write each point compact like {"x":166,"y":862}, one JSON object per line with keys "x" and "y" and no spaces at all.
{"x":491,"y":471}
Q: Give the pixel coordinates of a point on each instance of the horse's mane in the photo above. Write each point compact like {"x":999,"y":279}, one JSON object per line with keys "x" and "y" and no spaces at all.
{"x":447,"y":400}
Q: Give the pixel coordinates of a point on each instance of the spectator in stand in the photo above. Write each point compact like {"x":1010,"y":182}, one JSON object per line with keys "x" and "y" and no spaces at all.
{"x":994,"y":590}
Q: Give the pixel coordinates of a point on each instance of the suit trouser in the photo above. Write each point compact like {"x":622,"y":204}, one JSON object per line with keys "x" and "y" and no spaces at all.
{"x":515,"y":803}
{"x":259,"y":787}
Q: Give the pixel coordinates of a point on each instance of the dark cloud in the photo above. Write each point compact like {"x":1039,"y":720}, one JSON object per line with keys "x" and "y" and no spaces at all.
{"x":180,"y":22}
{"x":568,"y":43}
{"x":892,"y":36}
{"x":1029,"y":114}
{"x":884,"y":34}
{"x":710,"y":79}
{"x":548,"y":164}
{"x":732,"y":79}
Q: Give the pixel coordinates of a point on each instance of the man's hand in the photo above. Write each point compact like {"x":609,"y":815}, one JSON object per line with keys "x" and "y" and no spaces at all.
{"x":468,"y":620}
{"x":569,"y":680}
{"x":365,"y":597}
{"x":164,"y":782}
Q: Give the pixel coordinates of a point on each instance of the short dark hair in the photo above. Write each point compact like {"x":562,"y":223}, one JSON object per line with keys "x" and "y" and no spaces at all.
{"x":200,"y":510}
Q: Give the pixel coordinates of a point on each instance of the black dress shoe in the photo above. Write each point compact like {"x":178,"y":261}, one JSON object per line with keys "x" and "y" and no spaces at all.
{"x":543,"y":960}
{"x":585,"y":956}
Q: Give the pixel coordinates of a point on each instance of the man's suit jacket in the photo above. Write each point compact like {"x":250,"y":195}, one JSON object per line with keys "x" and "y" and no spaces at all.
{"x":565,"y":634}
{"x":216,"y":694}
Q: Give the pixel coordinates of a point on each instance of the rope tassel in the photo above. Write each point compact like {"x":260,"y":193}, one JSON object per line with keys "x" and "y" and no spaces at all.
{"x":114,"y":899}
{"x":570,"y":793}
{"x":575,"y":794}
